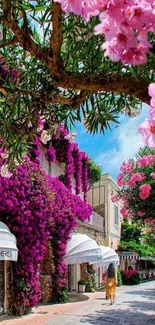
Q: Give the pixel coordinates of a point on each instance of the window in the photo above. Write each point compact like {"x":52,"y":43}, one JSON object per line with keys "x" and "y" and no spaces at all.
{"x":116,"y":215}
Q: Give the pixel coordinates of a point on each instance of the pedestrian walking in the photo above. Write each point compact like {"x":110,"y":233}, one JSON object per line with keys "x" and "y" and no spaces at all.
{"x":111,"y":283}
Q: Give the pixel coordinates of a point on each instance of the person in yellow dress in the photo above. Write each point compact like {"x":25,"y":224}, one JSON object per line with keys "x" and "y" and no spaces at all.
{"x":111,"y":283}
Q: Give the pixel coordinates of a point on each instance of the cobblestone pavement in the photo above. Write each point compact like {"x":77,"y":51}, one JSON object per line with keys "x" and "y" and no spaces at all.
{"x":134,"y":306}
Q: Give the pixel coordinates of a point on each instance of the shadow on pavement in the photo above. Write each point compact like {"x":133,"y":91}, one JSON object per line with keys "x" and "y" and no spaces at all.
{"x":148,"y":293}
{"x":141,"y":305}
{"x":119,"y":317}
{"x":76,"y":297}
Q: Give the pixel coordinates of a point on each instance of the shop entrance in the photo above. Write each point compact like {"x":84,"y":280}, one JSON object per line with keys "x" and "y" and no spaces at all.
{"x":1,"y":286}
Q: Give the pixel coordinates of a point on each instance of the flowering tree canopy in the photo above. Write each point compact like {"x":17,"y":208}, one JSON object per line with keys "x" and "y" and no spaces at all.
{"x":69,"y":62}
{"x":137,"y":181}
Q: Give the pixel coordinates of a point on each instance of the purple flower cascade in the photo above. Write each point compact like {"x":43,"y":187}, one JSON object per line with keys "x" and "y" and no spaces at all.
{"x":34,"y":206}
{"x":25,"y":206}
{"x":78,"y":170}
{"x":69,"y":169}
{"x":76,"y":161}
{"x":67,"y":208}
{"x":85,"y":175}
{"x":50,"y":155}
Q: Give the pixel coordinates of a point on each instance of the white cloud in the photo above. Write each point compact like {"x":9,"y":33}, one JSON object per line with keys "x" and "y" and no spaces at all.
{"x":126,"y":143}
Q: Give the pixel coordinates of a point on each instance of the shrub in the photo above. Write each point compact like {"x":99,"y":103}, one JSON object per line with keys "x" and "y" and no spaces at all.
{"x":63,"y":297}
{"x":82,"y":282}
{"x":119,"y":278}
{"x":131,"y":277}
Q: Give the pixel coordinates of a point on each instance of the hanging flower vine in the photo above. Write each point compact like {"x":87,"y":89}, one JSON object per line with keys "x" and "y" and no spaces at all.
{"x":26,"y":206}
{"x":35,"y":205}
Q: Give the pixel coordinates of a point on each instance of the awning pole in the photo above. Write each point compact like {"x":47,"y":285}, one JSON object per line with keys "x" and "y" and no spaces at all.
{"x":5,"y":289}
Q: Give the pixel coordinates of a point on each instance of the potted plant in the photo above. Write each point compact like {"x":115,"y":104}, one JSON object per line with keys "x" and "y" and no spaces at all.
{"x":82,"y":285}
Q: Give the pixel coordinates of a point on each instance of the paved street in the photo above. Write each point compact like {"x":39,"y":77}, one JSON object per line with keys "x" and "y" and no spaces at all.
{"x":135,"y":306}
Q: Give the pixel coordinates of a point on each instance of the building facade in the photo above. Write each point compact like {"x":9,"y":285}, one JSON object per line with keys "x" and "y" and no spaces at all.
{"x":94,"y":228}
{"x":99,"y":196}
{"x":104,"y":225}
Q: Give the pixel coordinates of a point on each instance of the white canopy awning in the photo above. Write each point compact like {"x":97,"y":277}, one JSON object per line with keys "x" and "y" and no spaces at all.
{"x":8,"y":246}
{"x":81,"y":249}
{"x":108,"y":255}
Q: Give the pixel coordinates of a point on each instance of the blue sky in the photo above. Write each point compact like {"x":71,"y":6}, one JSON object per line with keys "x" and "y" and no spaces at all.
{"x":112,"y":148}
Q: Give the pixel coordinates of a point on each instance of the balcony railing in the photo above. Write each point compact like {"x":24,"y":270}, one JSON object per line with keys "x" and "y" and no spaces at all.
{"x":96,"y":221}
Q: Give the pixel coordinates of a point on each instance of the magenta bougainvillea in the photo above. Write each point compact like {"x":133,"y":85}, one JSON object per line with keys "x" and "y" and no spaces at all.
{"x":35,"y":206}
{"x":76,"y":162}
{"x":85,"y":161}
{"x":50,"y":154}
{"x":78,"y":170}
{"x":67,"y":208}
{"x":60,"y":146}
{"x":6,"y":73}
{"x":26,"y":206}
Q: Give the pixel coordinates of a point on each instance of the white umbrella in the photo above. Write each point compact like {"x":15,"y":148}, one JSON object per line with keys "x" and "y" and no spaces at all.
{"x":108,"y":255}
{"x":81,"y":249}
{"x":8,"y":252}
{"x":8,"y":246}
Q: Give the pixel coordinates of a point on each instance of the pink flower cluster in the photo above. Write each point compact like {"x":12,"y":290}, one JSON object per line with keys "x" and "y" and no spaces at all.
{"x":129,"y":274}
{"x":127,"y":166}
{"x":115,"y":198}
{"x":144,"y":191}
{"x":124,"y":23}
{"x":84,"y":8}
{"x":125,"y":210}
{"x":121,"y":180}
{"x":138,"y":187}
{"x":147,"y":128}
{"x":141,"y":213}
{"x":126,"y":171}
{"x":137,"y":177}
{"x":146,"y":161}
{"x":119,"y":21}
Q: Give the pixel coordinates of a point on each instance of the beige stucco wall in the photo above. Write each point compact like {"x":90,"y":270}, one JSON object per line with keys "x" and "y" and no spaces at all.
{"x":102,"y":192}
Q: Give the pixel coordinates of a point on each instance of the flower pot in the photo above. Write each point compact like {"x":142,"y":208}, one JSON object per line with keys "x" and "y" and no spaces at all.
{"x":82,"y":287}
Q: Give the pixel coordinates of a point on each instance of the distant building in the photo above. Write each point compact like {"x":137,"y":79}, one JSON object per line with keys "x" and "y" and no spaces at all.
{"x":99,"y":196}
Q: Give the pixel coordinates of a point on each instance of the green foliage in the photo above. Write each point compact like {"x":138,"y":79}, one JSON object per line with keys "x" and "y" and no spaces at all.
{"x":119,"y":278}
{"x":131,"y":232}
{"x":62,"y":297}
{"x":82,"y":282}
{"x":134,"y":238}
{"x":142,"y":249}
{"x":94,"y":173}
{"x":145,"y":152}
{"x":37,"y":87}
{"x":91,"y":272}
{"x":149,"y":238}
